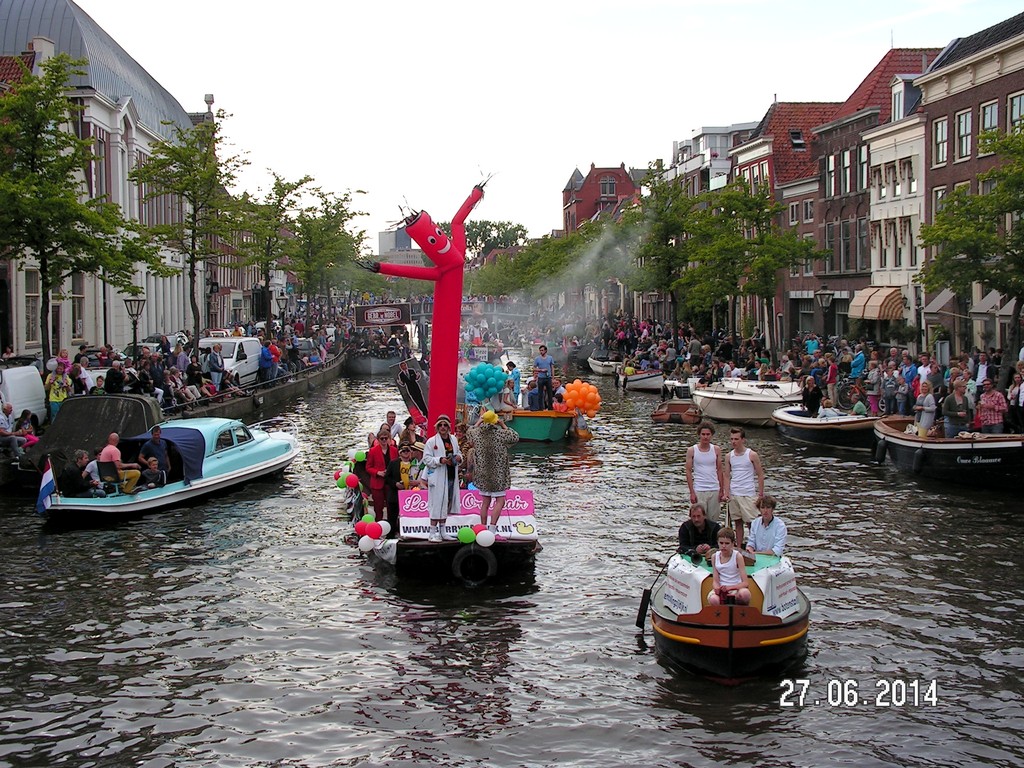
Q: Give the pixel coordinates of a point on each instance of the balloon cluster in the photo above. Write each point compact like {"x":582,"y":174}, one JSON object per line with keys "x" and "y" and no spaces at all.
{"x":370,"y":531}
{"x":485,"y":380}
{"x":580,"y":394}
{"x":478,"y":534}
{"x":346,"y":479}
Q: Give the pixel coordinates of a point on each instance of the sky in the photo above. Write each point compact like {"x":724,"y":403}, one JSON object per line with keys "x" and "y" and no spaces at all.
{"x":415,"y":103}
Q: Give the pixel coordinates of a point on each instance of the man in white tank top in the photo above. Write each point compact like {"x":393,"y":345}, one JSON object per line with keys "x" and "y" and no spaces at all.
{"x":704,"y":473}
{"x":744,"y":478}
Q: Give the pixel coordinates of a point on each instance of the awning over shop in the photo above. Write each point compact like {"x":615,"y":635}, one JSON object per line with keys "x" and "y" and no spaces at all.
{"x":936,"y":305}
{"x":1006,"y":312}
{"x":877,"y":303}
{"x":988,"y":305}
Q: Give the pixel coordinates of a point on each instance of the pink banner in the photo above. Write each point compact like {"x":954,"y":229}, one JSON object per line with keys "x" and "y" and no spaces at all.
{"x":516,"y":522}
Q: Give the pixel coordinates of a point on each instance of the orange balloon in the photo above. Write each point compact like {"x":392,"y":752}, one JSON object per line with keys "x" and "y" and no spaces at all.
{"x":591,"y":414}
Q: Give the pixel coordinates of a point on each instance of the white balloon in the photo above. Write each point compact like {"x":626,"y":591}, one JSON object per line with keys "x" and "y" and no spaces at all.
{"x":366,"y":544}
{"x":385,"y":527}
{"x":485,"y":538}
{"x":351,"y":454}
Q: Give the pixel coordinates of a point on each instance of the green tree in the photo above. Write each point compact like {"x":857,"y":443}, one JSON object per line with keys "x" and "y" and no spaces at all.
{"x":483,"y":236}
{"x":269,"y":223}
{"x":189,"y":168}
{"x":979,"y":238}
{"x":324,"y":242}
{"x":46,"y":220}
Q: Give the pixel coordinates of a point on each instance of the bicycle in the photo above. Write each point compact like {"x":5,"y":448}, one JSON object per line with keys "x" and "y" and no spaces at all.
{"x":845,"y":388}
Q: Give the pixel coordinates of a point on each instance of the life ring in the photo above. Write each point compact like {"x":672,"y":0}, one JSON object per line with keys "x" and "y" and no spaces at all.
{"x":474,"y":564}
{"x":918,"y":461}
{"x":880,"y":451}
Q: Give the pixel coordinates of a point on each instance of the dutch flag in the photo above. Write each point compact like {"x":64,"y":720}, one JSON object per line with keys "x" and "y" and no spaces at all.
{"x":46,"y":489}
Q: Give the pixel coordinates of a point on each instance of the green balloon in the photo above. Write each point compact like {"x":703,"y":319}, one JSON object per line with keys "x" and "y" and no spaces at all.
{"x":368,"y":518}
{"x":341,"y":482}
{"x":466,"y":535}
{"x":360,"y":455}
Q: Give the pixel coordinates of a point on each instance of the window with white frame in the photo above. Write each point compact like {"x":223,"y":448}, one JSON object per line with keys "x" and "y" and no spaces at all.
{"x":794,"y":213}
{"x":881,"y":183}
{"x":940,"y":140}
{"x":32,"y":306}
{"x":1015,"y":112}
{"x":845,"y":253}
{"x":963,"y":135}
{"x":897,"y":250}
{"x":808,"y":210}
{"x":77,"y":305}
{"x":990,"y":116}
{"x":986,"y":186}
{"x":897,"y":104}
{"x":911,"y":246}
{"x":846,"y":158}
{"x":938,"y":194}
{"x":883,"y":253}
{"x":907,"y":169}
{"x":862,"y":167}
{"x":897,"y":183}
{"x":607,"y":186}
{"x":830,"y":246}
{"x":808,"y":263}
{"x":830,"y":176}
{"x":100,"y":181}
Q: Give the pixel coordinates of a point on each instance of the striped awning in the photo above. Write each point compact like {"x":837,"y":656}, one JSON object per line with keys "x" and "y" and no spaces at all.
{"x":877,"y":303}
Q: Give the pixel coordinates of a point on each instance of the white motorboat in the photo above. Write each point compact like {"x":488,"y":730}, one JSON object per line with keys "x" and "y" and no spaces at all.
{"x":603,"y":367}
{"x":746,"y":402}
{"x":641,"y":381}
{"x":842,"y":431}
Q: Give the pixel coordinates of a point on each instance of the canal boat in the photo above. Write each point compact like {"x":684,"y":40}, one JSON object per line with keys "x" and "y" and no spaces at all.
{"x":728,"y":642}
{"x":207,"y":456}
{"x":676,"y":411}
{"x":846,"y":430}
{"x":472,"y":564}
{"x":602,"y":364}
{"x":641,"y":381}
{"x":746,"y":402}
{"x":975,"y":458}
{"x":541,"y":426}
{"x":362,"y":362}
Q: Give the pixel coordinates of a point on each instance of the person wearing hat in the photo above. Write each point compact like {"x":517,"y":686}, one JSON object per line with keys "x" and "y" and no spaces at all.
{"x":402,"y":474}
{"x":441,"y":457}
{"x":491,"y":440}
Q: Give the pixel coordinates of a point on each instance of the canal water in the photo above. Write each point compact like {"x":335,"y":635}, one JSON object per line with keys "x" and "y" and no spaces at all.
{"x":246,"y":632}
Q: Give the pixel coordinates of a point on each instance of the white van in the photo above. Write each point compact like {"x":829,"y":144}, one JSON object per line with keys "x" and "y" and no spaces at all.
{"x":241,"y":355}
{"x":22,"y":387}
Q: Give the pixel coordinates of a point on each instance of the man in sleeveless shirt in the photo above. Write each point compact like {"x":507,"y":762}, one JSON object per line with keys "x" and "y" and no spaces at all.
{"x":744,"y":478}
{"x":704,"y":473}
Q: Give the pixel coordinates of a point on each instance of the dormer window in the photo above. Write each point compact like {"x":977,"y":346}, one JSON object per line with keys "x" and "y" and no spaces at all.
{"x":897,"y":103}
{"x":796,"y":138}
{"x":607,"y":186}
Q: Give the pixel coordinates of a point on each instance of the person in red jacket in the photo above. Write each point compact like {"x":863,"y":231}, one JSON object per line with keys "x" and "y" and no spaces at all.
{"x":381,"y":454}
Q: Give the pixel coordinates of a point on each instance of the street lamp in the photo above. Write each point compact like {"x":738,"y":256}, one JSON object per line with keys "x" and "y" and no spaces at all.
{"x":282,"y":303}
{"x":134,"y":307}
{"x":824,"y":297}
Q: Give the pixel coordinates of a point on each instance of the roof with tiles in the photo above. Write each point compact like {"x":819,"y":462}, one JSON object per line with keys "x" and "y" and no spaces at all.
{"x":788,"y":124}
{"x":965,"y":47}
{"x":10,"y":69}
{"x":875,"y":90}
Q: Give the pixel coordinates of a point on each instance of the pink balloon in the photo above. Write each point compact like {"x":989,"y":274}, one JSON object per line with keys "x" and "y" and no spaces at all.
{"x":352,"y":481}
{"x":373,"y":530}
{"x":337,"y":474}
{"x":361,"y":528}
{"x":479,"y":527}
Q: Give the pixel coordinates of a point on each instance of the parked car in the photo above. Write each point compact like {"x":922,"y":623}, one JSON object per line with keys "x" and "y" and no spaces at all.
{"x":178,"y":337}
{"x":241,"y":356}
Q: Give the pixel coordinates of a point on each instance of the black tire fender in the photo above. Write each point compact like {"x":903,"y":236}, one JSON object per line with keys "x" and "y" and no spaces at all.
{"x":918,"y":461}
{"x":880,"y":450}
{"x":463,"y":566}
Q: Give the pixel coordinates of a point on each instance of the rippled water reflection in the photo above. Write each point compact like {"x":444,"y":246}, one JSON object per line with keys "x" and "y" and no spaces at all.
{"x":246,"y":632}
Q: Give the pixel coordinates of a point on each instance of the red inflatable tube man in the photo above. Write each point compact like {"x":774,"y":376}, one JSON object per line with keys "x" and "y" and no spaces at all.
{"x":449,"y":257}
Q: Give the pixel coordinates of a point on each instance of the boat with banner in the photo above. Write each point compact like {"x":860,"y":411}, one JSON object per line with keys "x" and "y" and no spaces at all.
{"x":206,"y":456}
{"x":978,"y":459}
{"x":746,"y":402}
{"x":846,"y":430}
{"x":728,"y":642}
{"x":511,"y":553}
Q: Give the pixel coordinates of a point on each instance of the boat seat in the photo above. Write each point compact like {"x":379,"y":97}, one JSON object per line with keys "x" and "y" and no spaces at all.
{"x":756,"y":595}
{"x":109,"y":476}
